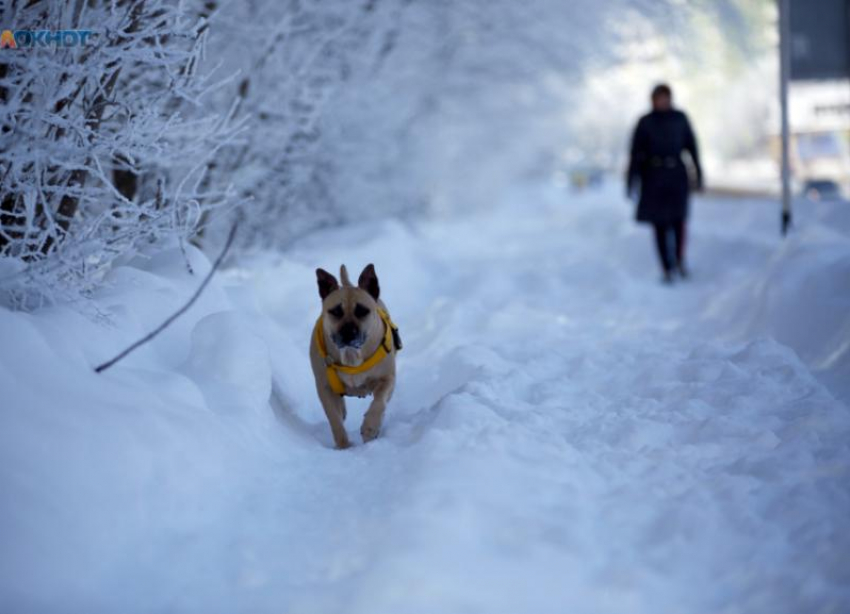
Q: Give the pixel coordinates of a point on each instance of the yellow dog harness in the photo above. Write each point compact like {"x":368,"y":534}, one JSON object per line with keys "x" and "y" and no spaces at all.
{"x":333,"y":369}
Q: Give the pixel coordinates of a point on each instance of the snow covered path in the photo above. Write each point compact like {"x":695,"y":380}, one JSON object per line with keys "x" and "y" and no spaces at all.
{"x":567,"y":435}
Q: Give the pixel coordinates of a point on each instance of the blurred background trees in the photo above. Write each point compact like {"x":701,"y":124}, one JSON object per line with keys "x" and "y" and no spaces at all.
{"x":290,"y":115}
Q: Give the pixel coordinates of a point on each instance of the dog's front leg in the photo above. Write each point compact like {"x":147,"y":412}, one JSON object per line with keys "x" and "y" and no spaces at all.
{"x":371,"y":426}
{"x":334,"y":406}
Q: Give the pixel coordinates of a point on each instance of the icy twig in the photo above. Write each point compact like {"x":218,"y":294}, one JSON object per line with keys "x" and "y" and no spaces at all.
{"x":179,"y":312}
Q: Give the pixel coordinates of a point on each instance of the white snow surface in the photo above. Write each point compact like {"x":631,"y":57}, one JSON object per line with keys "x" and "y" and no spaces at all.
{"x":567,"y":434}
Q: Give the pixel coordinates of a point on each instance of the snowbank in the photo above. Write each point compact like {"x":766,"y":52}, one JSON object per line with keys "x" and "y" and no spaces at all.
{"x":567,"y":434}
{"x":800,"y":294}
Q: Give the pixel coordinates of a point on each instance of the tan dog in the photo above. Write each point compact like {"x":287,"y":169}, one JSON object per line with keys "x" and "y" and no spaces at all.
{"x":352,"y":350}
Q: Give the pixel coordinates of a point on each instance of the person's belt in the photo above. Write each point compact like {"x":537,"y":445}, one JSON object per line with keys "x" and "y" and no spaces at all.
{"x":663,"y":161}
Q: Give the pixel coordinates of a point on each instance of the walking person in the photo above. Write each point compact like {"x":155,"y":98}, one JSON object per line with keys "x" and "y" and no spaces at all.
{"x":658,"y":171}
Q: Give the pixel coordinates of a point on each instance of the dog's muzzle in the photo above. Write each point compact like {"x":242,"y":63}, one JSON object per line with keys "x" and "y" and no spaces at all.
{"x":349,"y":335}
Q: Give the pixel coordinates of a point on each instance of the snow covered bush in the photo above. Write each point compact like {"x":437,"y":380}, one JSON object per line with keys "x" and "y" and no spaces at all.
{"x":292,"y":58}
{"x":103,"y":146}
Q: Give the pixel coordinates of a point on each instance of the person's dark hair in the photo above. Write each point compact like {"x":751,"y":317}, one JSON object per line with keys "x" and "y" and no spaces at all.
{"x":662,"y":89}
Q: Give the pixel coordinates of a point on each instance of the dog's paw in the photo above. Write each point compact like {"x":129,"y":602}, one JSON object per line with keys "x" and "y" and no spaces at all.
{"x":341,"y":440}
{"x":369,"y":432}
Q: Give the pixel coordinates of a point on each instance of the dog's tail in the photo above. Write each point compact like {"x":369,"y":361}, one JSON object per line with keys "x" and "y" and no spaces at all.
{"x":343,"y":276}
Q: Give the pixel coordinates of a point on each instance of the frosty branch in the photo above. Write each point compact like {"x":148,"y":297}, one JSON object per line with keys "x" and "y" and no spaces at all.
{"x":151,"y":335}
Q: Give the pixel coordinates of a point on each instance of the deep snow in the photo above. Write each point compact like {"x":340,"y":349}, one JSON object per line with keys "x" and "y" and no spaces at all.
{"x":567,"y":435}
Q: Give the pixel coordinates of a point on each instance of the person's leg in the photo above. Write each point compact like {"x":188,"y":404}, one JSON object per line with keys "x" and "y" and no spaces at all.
{"x":680,"y":235}
{"x":661,"y":235}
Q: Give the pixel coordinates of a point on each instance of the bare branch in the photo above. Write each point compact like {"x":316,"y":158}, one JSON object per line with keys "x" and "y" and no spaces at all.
{"x":179,"y":312}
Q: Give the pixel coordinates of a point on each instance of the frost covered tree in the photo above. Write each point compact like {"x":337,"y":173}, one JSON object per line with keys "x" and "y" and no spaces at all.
{"x":292,"y":58}
{"x":288,"y":115}
{"x":103,"y":146}
{"x":383,"y":108}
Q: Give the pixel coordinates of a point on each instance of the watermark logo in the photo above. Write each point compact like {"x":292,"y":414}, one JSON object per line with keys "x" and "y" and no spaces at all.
{"x":29,"y":39}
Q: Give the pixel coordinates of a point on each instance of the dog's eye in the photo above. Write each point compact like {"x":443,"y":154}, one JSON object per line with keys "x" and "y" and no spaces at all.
{"x":336,"y":311}
{"x":360,"y":311}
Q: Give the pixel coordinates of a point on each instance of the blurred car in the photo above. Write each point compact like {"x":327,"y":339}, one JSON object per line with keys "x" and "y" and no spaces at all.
{"x":821,"y":162}
{"x":822,"y":189}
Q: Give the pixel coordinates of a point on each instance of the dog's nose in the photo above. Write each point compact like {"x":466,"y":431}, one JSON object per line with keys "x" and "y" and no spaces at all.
{"x":348,"y":332}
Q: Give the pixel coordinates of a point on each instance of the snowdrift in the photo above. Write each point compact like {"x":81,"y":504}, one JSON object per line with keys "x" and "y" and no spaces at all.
{"x":800,"y":294}
{"x":567,"y":434}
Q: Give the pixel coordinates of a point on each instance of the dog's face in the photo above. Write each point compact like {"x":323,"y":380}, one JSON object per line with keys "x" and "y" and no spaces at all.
{"x":350,"y":313}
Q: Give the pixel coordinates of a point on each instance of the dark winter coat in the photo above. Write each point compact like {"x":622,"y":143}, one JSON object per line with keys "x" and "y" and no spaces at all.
{"x":656,"y":165}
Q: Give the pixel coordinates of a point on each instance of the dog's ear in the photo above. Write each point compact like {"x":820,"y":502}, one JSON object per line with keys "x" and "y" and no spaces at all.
{"x":327,"y":283}
{"x":369,"y":281}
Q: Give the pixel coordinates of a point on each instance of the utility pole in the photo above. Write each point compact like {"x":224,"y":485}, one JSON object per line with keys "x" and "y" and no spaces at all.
{"x":784,"y":78}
